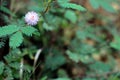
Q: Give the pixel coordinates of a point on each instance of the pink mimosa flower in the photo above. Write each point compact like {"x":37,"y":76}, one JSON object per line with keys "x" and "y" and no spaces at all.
{"x":31,"y":18}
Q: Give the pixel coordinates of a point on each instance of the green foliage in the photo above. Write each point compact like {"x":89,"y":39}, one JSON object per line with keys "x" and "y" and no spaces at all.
{"x":47,"y":27}
{"x":52,"y":61}
{"x":66,"y":4}
{"x":6,"y":10}
{"x":89,"y":79}
{"x":76,"y":43}
{"x":28,"y":30}
{"x":62,"y":79}
{"x":8,"y":73}
{"x":14,"y":55}
{"x":73,"y":56}
{"x":62,"y":73}
{"x":1,"y":67}
{"x":88,"y":33}
{"x":103,"y":68}
{"x":15,"y":65}
{"x":8,"y":30}
{"x":105,"y":4}
{"x":2,"y":43}
{"x":11,"y":70}
{"x":94,"y":3}
{"x":79,"y":57}
{"x":114,"y":77}
{"x":116,"y":43}
{"x":15,"y":33}
{"x":44,"y":78}
{"x":70,"y":15}
{"x":16,"y":39}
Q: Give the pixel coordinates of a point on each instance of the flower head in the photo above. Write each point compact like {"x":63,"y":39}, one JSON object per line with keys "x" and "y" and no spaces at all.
{"x":31,"y":18}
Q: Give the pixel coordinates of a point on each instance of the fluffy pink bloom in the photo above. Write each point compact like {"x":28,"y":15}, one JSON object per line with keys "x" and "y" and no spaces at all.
{"x":31,"y":18}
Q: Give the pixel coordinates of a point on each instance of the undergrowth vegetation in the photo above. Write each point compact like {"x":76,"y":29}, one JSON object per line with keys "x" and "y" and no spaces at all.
{"x":72,"y":40}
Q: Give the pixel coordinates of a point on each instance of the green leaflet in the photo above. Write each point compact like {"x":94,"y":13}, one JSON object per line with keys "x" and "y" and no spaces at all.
{"x":28,"y":30}
{"x":47,"y":27}
{"x":70,"y":15}
{"x":94,"y":4}
{"x":66,"y":4}
{"x":73,"y":6}
{"x":78,"y":57}
{"x":105,"y":4}
{"x":1,"y":67}
{"x":8,"y":30}
{"x":14,"y":55}
{"x":16,"y":39}
{"x":73,"y":56}
{"x":100,"y":67}
{"x":116,"y":43}
{"x":53,"y":62}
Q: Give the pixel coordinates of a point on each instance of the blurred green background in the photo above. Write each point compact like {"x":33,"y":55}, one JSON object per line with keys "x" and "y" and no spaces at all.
{"x":75,"y":44}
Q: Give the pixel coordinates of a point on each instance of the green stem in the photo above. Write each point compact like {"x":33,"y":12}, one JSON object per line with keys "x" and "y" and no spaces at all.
{"x":46,"y":9}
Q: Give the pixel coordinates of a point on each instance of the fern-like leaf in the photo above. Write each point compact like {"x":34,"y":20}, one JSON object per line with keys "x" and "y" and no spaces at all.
{"x":1,"y":67}
{"x":28,"y":30}
{"x":16,"y":39}
{"x":8,"y":30}
{"x":14,"y":55}
{"x":73,"y":6}
{"x":66,"y":4}
{"x":14,"y":65}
